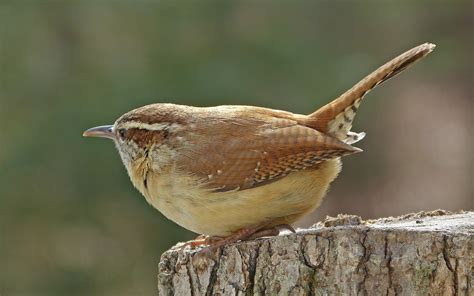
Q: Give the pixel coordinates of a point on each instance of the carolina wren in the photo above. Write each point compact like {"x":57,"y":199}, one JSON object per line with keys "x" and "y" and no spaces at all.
{"x":236,"y":171}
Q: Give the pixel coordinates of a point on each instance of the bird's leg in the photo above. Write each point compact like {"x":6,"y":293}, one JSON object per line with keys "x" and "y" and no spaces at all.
{"x":217,"y":241}
{"x":263,"y":233}
{"x":212,"y":243}
{"x":201,"y":240}
{"x":250,"y":233}
{"x":240,"y":235}
{"x":272,"y":231}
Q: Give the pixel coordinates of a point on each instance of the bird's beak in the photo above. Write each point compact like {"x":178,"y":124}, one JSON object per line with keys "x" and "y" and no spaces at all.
{"x":104,"y":131}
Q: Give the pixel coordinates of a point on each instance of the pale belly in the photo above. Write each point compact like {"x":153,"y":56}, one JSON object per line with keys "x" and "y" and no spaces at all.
{"x":223,"y":213}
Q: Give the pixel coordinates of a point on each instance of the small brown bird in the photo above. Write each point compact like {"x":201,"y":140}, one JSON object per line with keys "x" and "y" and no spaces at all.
{"x":238,"y":172}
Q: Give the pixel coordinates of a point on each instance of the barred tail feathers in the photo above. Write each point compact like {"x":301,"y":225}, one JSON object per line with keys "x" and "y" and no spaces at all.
{"x":336,"y":117}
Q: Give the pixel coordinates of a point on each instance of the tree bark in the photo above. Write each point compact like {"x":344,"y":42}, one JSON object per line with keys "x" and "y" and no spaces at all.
{"x":416,"y":254}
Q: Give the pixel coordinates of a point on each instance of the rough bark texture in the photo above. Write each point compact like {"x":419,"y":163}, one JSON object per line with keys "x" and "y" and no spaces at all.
{"x":417,"y":254}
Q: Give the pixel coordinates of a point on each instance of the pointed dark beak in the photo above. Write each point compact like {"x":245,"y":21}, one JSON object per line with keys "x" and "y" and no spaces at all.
{"x":104,"y":131}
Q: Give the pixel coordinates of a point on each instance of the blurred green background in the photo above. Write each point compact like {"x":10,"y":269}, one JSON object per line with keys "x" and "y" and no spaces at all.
{"x":71,"y":222}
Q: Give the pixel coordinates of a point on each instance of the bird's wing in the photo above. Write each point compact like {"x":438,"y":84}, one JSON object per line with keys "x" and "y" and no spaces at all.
{"x":261,"y":153}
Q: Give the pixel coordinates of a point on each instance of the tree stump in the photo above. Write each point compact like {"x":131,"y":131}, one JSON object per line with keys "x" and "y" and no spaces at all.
{"x":416,"y":254}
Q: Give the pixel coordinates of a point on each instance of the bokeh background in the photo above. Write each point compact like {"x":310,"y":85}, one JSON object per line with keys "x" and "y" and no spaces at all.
{"x":71,"y":222}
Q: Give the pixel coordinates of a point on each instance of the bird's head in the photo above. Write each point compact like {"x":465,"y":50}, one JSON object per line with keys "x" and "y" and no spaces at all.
{"x":142,"y":133}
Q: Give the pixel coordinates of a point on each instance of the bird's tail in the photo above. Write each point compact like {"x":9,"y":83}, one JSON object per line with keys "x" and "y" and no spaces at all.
{"x":336,"y":117}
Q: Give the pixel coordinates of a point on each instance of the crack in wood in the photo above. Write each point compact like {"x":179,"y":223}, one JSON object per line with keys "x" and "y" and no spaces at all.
{"x":213,"y":274}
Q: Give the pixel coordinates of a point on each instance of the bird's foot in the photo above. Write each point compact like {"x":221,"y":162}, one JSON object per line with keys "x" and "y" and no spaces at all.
{"x":250,"y":233}
{"x":209,"y":244}
{"x":272,"y":231}
{"x":200,"y":241}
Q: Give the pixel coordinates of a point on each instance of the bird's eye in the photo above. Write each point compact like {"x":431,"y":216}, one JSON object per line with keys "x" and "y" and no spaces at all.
{"x":121,"y":133}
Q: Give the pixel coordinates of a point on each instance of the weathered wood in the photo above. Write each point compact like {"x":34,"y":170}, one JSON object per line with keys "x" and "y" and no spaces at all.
{"x":416,"y":254}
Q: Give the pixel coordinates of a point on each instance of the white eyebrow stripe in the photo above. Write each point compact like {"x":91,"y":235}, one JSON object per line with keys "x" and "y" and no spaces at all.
{"x":151,"y":127}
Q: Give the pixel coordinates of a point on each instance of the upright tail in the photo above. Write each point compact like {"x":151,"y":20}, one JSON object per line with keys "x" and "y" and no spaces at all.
{"x":336,"y":117}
